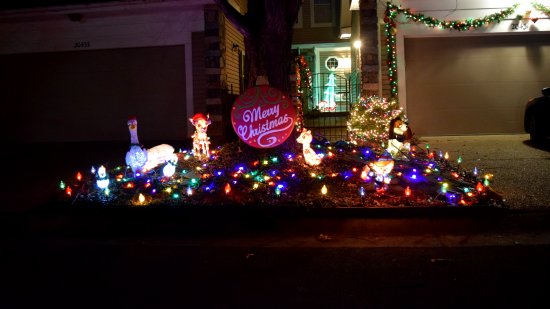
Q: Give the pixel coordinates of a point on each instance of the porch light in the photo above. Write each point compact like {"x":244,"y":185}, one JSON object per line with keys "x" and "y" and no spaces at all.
{"x":345,"y":36}
{"x":357,"y":44}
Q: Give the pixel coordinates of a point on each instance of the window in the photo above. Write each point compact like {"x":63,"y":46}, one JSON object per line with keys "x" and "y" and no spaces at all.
{"x":322,"y":13}
{"x":331,"y":63}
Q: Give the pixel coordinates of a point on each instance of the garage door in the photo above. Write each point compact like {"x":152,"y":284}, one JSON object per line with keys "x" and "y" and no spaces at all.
{"x":474,"y":85}
{"x":89,"y":95}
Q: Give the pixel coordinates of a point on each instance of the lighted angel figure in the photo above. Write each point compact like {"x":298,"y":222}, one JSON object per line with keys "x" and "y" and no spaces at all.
{"x":201,"y":141}
{"x":400,"y":136}
{"x":310,"y":156}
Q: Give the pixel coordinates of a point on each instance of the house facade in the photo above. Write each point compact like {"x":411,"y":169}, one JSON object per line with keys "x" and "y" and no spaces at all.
{"x":323,"y":38}
{"x":76,"y":72}
{"x":450,"y":80}
{"x":469,"y":79}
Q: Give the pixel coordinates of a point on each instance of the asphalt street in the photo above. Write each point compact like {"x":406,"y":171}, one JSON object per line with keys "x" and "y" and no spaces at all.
{"x":258,"y":259}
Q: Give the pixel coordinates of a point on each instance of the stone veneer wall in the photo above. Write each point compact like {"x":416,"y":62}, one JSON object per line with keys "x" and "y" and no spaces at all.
{"x":370,"y":65}
{"x":212,"y":56}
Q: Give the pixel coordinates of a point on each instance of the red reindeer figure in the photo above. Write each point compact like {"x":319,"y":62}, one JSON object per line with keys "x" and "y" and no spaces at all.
{"x":201,"y":141}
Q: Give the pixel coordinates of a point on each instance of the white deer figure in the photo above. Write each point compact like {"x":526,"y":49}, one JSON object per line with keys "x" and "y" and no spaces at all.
{"x":309,"y":155}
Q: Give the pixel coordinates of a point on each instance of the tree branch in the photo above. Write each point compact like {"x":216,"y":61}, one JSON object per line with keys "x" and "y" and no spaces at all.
{"x":239,"y":21}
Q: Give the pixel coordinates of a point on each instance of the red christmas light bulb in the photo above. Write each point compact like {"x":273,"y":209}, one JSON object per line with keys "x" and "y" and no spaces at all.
{"x":479,"y":187}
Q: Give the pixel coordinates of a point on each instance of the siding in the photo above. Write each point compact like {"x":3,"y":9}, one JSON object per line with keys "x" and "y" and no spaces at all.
{"x":308,"y":35}
{"x":339,"y":54}
{"x":230,"y":64}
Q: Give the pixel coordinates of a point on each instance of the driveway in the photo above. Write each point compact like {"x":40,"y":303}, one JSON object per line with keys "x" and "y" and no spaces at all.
{"x":521,"y":171}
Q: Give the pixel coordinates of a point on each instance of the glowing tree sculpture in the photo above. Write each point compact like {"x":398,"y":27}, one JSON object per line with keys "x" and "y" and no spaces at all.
{"x":329,"y":104}
{"x":370,"y":118}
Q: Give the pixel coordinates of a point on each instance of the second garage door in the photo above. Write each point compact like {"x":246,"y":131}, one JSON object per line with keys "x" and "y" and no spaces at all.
{"x":474,"y":85}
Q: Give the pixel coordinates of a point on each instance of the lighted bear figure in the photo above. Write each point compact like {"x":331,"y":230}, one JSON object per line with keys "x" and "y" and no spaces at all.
{"x":400,"y":136}
{"x":201,"y":141}
{"x":310,"y":156}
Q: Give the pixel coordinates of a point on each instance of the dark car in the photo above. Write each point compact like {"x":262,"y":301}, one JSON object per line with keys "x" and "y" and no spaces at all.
{"x":537,"y":112}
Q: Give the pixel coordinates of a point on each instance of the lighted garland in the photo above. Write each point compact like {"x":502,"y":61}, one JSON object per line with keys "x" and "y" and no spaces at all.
{"x":298,"y":105}
{"x":390,"y":29}
{"x":303,"y":85}
{"x":542,"y":8}
{"x":369,"y":119}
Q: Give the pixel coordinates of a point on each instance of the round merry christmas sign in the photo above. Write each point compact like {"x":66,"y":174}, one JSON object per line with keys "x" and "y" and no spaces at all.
{"x":263,"y":117}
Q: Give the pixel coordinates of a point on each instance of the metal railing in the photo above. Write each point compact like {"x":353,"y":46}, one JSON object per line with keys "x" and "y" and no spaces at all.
{"x":326,"y":108}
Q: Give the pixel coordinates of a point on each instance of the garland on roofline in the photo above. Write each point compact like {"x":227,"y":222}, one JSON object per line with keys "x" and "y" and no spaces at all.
{"x":393,"y":10}
{"x":542,"y":8}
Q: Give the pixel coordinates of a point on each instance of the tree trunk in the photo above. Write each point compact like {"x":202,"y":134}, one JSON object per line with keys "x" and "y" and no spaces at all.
{"x":267,"y":28}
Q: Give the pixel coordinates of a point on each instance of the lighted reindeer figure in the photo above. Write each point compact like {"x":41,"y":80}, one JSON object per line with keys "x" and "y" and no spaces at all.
{"x":309,"y":155}
{"x":201,"y":141}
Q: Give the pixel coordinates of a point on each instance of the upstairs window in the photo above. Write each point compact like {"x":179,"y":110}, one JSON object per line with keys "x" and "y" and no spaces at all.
{"x":322,"y":13}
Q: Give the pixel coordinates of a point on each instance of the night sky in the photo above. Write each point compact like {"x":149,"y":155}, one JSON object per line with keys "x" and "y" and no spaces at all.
{"x":27,"y":4}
